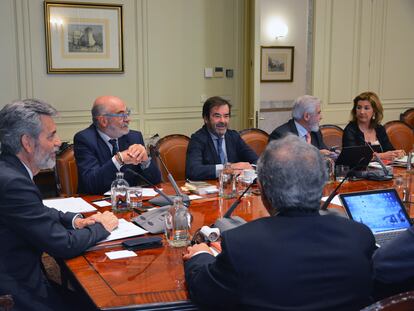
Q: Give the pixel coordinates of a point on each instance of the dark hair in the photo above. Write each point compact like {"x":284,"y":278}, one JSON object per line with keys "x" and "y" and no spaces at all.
{"x":212,"y":102}
{"x":375,"y":104}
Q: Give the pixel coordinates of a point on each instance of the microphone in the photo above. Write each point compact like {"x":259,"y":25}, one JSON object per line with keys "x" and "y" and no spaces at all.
{"x":160,"y":201}
{"x":387,"y":175}
{"x":156,"y":189}
{"x":324,"y":208}
{"x":228,"y":222}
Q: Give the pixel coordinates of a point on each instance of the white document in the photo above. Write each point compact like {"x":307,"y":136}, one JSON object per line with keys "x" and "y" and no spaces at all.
{"x":120,"y":254}
{"x":194,"y":197}
{"x":125,"y":229}
{"x":74,"y":205}
{"x":102,"y":203}
{"x":335,"y":200}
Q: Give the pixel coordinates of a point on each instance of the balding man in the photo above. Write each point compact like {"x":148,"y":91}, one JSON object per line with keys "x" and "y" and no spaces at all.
{"x":108,"y":146}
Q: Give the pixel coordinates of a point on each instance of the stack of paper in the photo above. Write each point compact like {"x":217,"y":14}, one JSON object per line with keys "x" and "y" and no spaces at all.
{"x":74,"y":205}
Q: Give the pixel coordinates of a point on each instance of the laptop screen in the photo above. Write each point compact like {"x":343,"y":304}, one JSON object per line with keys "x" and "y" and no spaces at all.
{"x":380,"y":210}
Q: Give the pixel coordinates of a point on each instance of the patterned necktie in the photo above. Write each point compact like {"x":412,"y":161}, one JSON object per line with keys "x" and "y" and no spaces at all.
{"x":308,"y":138}
{"x":220,"y":150}
{"x":115,"y":148}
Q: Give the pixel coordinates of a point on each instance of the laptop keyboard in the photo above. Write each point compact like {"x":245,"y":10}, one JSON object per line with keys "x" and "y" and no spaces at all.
{"x":384,"y":238}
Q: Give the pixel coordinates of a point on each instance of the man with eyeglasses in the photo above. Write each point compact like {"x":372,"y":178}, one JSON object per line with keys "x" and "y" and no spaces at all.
{"x":108,"y":146}
{"x":214,"y":144}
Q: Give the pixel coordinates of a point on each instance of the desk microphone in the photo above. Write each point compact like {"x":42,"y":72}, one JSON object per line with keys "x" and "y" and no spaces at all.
{"x":161,"y":201}
{"x":228,"y":222}
{"x":156,"y":189}
{"x":375,"y":176}
{"x":324,"y":208}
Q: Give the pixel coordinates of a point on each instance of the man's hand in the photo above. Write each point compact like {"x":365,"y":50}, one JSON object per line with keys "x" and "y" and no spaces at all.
{"x":135,"y":154}
{"x":81,"y":223}
{"x":107,"y":219}
{"x":239,"y":166}
{"x":191,"y":250}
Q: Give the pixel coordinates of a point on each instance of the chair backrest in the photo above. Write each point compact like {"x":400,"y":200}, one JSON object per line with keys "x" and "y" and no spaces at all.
{"x":67,"y":172}
{"x":257,"y":139}
{"x":6,"y":302}
{"x":399,"y":302}
{"x":173,"y":151}
{"x":400,"y":134}
{"x":408,"y":117}
{"x":332,"y":135}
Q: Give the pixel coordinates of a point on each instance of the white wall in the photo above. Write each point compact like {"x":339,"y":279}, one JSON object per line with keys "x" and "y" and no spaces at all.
{"x":276,"y":97}
{"x":167,"y":44}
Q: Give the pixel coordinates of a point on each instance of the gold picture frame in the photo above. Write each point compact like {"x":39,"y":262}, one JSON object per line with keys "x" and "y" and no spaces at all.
{"x":83,"y":37}
{"x":276,"y":63}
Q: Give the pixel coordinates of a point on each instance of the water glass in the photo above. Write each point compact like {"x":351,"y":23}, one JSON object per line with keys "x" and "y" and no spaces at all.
{"x":227,"y":182}
{"x":340,"y":172}
{"x":134,"y":197}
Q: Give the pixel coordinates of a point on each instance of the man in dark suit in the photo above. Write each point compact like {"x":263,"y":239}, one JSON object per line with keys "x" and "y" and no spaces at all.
{"x":306,"y":115}
{"x":214,"y":144}
{"x":27,"y":227}
{"x":108,"y":146}
{"x":295,"y":259}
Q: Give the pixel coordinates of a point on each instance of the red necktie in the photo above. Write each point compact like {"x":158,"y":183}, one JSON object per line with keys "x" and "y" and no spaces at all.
{"x":308,"y":138}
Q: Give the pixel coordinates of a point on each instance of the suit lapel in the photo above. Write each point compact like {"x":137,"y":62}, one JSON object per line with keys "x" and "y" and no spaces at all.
{"x":211,"y":146}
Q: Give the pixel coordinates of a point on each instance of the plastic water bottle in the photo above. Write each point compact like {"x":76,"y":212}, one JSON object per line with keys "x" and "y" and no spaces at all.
{"x":119,"y":193}
{"x":177,"y":224}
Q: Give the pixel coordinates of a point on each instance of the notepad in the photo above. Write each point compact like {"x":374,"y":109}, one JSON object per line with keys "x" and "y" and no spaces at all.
{"x":74,"y":205}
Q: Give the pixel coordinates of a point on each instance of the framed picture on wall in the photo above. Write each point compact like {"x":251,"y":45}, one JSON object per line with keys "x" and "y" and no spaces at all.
{"x":83,"y":37}
{"x":276,"y":63}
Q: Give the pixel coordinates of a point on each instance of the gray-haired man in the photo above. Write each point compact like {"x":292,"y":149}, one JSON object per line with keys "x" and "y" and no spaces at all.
{"x":265,"y":263}
{"x":27,"y":227}
{"x":306,"y":115}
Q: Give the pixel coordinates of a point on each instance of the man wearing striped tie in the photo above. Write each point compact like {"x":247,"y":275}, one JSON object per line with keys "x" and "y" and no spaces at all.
{"x":215,"y":144}
{"x":108,"y":146}
{"x":306,"y":115}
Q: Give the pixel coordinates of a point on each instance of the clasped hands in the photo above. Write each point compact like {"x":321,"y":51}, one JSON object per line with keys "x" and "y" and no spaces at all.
{"x":135,"y":154}
{"x":391,"y":155}
{"x":108,"y":220}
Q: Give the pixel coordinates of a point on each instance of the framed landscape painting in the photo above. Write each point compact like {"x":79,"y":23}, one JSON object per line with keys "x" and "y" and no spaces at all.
{"x":276,"y":63}
{"x":83,"y":37}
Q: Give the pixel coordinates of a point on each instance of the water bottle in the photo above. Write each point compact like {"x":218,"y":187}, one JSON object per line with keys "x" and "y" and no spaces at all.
{"x":409,"y":164}
{"x":119,"y":193}
{"x":177,"y":224}
{"x":227,"y":182}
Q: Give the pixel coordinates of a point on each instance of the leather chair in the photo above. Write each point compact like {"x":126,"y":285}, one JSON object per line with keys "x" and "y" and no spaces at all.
{"x":173,"y":151}
{"x":6,"y":302}
{"x":408,"y":117}
{"x":399,"y":302}
{"x":400,"y":134}
{"x":67,"y":172}
{"x":332,"y":135}
{"x":257,"y":139}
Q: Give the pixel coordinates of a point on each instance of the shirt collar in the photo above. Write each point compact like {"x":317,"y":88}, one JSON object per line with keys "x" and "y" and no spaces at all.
{"x":28,"y":169}
{"x":105,"y":137}
{"x":301,"y":130}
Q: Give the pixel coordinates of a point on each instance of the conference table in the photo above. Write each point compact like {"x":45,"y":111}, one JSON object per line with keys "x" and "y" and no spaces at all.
{"x":154,"y":279}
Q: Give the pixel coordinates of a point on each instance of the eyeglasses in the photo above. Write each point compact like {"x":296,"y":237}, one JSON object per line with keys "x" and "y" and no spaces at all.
{"x":120,"y":115}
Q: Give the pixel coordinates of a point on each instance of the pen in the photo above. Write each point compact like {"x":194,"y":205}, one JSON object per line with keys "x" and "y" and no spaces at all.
{"x":101,"y":199}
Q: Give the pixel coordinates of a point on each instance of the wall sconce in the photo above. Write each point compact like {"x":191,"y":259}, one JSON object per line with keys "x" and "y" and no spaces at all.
{"x":277,"y":29}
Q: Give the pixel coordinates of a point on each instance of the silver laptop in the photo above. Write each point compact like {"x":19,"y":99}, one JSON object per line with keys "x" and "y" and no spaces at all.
{"x":380,"y":210}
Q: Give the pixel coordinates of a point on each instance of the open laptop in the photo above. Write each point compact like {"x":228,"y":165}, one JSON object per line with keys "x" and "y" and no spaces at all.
{"x":380,"y":210}
{"x":354,"y":156}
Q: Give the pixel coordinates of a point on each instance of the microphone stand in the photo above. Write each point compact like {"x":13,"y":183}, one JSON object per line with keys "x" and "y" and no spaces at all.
{"x":227,"y":222}
{"x":161,"y":201}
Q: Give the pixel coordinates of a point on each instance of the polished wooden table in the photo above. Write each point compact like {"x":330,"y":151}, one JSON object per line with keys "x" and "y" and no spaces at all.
{"x":154,"y":280}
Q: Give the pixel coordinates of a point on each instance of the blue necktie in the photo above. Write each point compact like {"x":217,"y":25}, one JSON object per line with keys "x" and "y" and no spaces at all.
{"x":114,"y":146}
{"x":220,"y":150}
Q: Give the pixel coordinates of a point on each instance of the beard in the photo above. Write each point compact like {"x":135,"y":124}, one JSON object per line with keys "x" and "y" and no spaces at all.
{"x":43,"y":159}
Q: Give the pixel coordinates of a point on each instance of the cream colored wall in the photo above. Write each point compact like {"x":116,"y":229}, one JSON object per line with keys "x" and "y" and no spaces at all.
{"x":363,"y":45}
{"x":167,"y":44}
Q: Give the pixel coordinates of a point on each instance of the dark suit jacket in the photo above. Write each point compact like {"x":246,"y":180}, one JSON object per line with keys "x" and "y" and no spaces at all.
{"x":290,"y":127}
{"x":299,"y":261}
{"x":353,"y":136}
{"x":94,"y":160}
{"x":28,"y":228}
{"x":202,"y":155}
